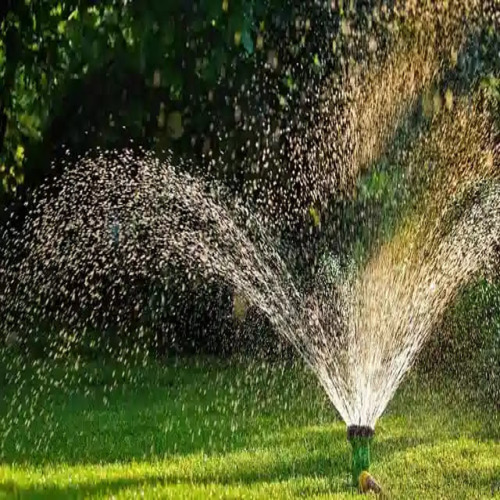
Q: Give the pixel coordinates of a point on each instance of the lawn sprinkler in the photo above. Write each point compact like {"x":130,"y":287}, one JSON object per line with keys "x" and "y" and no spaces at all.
{"x":360,"y":437}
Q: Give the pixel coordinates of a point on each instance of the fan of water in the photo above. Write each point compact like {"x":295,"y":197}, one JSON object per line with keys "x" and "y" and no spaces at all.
{"x":114,"y":220}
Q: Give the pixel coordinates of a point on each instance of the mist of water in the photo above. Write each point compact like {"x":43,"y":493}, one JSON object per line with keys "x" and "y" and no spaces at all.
{"x":114,"y":220}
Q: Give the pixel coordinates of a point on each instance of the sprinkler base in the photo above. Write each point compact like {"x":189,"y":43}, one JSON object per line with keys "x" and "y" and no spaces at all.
{"x":367,"y":483}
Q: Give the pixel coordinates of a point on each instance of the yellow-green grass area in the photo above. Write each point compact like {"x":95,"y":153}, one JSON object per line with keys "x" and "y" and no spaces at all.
{"x":205,"y":428}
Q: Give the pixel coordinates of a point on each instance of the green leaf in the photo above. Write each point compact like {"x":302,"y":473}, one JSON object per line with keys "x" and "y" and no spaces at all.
{"x":246,"y":40}
{"x":315,"y":216}
{"x":19,"y":156}
{"x":61,"y":27}
{"x":57,"y":10}
{"x":73,"y":15}
{"x":174,"y":125}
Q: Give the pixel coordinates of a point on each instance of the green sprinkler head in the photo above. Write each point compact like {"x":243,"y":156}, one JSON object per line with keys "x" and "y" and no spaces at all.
{"x":360,"y":437}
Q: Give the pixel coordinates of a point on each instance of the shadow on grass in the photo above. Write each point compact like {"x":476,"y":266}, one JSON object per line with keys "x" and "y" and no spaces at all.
{"x":12,"y":491}
{"x":323,"y":454}
{"x":199,"y":413}
{"x":178,"y":411}
{"x":332,"y":469}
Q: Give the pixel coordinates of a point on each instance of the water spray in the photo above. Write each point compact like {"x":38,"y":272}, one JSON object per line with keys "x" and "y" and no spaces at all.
{"x":360,"y":437}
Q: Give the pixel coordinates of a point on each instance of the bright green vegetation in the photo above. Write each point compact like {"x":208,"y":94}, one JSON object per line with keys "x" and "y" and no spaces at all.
{"x":203,"y":428}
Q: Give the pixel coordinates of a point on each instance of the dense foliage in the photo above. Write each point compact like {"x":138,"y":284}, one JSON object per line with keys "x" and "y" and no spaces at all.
{"x":69,"y":68}
{"x":79,"y":72}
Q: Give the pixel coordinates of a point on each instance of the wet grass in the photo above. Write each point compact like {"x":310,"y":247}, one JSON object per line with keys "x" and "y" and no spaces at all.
{"x":203,"y":428}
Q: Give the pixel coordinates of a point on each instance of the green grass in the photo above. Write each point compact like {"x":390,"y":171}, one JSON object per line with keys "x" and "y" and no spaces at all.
{"x":208,"y":429}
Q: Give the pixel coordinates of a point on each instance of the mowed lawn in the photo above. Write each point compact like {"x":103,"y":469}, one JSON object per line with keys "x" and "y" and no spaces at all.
{"x":202,"y":428}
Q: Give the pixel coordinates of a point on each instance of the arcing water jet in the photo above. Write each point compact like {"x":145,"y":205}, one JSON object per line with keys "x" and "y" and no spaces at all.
{"x":112,"y":229}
